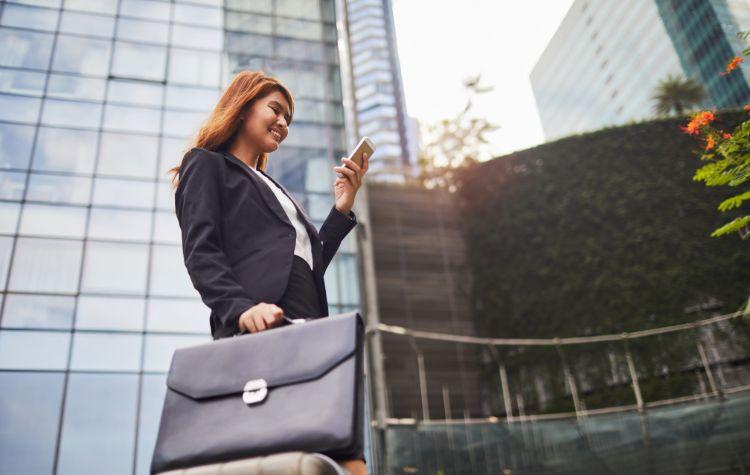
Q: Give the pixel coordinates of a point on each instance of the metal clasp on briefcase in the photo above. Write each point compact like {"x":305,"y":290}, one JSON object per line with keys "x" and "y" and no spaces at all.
{"x":255,"y":391}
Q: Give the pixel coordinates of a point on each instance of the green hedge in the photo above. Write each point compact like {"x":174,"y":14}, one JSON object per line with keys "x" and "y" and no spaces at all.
{"x":599,"y":233}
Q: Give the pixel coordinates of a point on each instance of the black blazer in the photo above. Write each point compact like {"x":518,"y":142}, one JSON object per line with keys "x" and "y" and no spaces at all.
{"x":238,"y":242}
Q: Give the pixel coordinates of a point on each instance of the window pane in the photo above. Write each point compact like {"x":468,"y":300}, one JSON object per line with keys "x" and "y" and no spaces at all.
{"x":46,"y":265}
{"x":160,"y":348}
{"x":135,"y":93}
{"x":182,"y":124}
{"x":299,"y":8}
{"x":194,"y":67}
{"x":19,"y":109}
{"x":29,"y":17}
{"x":109,"y":313}
{"x":96,"y":6}
{"x":12,"y":185}
{"x":167,"y":229}
{"x":38,"y":311}
{"x":93,"y":25}
{"x":194,"y":37}
{"x":59,"y":189}
{"x":9,"y":217}
{"x":153,"y":391}
{"x":81,"y":55}
{"x":120,"y":225}
{"x":21,"y":82}
{"x":111,"y":192}
{"x":168,"y":274}
{"x":131,"y":119}
{"x":20,"y":350}
{"x":165,"y":198}
{"x":166,"y":315}
{"x":6,"y":244}
{"x":30,"y":410}
{"x":172,"y":151}
{"x":25,"y":49}
{"x":72,"y":87}
{"x":65,"y":150}
{"x":15,"y":145}
{"x":54,"y":221}
{"x":139,"y":61}
{"x":150,"y":10}
{"x":202,"y":16}
{"x":106,"y":352}
{"x":142,"y":31}
{"x":349,"y":279}
{"x":331,"y":278}
{"x":250,"y":23}
{"x":116,"y":268}
{"x":71,"y":114}
{"x":128,"y":155}
{"x":96,"y":438}
{"x":192,"y":98}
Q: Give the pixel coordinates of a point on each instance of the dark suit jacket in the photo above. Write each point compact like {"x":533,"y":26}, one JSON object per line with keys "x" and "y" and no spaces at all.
{"x":238,"y":242}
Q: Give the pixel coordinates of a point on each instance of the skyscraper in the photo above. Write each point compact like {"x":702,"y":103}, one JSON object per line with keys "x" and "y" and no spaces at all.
{"x":98,"y":98}
{"x":379,"y":98}
{"x":605,"y":60}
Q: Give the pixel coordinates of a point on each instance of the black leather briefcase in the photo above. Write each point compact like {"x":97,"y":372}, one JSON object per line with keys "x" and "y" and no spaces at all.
{"x":292,"y":388}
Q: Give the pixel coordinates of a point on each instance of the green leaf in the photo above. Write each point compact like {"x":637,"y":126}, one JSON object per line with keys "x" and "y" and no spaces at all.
{"x":732,"y":226}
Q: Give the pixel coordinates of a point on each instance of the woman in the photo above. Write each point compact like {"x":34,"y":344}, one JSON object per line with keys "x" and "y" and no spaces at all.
{"x":249,"y":248}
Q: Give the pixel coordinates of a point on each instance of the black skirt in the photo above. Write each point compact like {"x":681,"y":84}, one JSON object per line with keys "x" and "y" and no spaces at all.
{"x":300,"y":300}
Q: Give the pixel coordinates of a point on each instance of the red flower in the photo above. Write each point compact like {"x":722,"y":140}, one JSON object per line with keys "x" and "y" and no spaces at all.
{"x":710,"y":142}
{"x":726,"y":136}
{"x":732,"y":65}
{"x":747,"y":108}
{"x":699,"y":120}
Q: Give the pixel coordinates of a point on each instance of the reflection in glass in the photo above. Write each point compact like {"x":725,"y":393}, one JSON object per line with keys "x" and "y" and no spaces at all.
{"x":349,"y":279}
{"x":172,"y":151}
{"x":115,"y":268}
{"x":183,"y":315}
{"x":194,"y":37}
{"x":15,"y":145}
{"x":96,"y":6}
{"x":249,"y":23}
{"x":46,"y":265}
{"x":131,"y":119}
{"x":54,"y":221}
{"x":135,"y":93}
{"x":93,"y":25}
{"x":194,"y":67}
{"x":106,"y":352}
{"x":198,"y":15}
{"x":59,"y":189}
{"x":168,"y":274}
{"x":98,"y":434}
{"x":29,"y":17}
{"x":131,"y":193}
{"x":153,"y":389}
{"x":38,"y":311}
{"x":9,"y":217}
{"x":166,"y":228}
{"x":142,"y":31}
{"x":81,"y":55}
{"x":191,"y":98}
{"x":147,"y":9}
{"x":109,"y":313}
{"x":319,"y":205}
{"x":139,"y":61}
{"x":182,"y":124}
{"x":71,"y":114}
{"x":29,"y":83}
{"x":127,"y":155}
{"x":19,"y":108}
{"x":73,"y":87}
{"x":30,"y":411}
{"x":159,"y":349}
{"x":119,"y":224}
{"x":65,"y":150}
{"x":20,"y":350}
{"x":165,"y":196}
{"x":332,"y":285}
{"x":25,"y":49}
{"x":12,"y":185}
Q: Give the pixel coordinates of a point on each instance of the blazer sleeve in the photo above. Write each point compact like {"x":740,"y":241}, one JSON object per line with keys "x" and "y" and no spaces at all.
{"x":334,"y":229}
{"x":198,"y":208}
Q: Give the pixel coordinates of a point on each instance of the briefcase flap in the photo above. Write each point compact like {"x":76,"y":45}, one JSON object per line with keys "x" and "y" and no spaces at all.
{"x":280,"y":356}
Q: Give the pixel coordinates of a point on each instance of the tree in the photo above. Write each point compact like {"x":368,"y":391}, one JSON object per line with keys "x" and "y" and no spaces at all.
{"x":453,"y":143}
{"x":677,"y":94}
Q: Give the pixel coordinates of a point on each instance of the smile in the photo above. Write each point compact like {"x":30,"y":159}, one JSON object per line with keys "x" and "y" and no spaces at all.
{"x":275,"y":135}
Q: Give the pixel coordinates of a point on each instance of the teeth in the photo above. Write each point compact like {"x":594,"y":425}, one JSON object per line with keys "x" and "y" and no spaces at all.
{"x":276,"y":135}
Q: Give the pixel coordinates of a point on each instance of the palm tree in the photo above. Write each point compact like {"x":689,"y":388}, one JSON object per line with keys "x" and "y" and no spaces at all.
{"x":676,"y":93}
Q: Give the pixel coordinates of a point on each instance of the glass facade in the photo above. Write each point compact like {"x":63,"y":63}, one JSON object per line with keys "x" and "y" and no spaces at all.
{"x":98,"y":98}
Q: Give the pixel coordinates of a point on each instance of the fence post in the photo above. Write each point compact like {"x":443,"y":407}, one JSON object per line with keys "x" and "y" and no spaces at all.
{"x":707,"y":367}
{"x":422,"y":380}
{"x":503,"y":383}
{"x":569,"y":379}
{"x":633,"y":373}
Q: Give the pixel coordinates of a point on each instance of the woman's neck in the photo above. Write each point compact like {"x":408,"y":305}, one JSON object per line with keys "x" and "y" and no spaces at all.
{"x":243,"y":152}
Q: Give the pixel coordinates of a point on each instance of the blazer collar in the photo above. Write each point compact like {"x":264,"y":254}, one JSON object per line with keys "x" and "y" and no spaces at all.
{"x":268,"y":195}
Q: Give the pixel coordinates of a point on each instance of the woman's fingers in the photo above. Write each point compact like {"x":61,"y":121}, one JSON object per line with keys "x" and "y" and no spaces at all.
{"x":260,"y":323}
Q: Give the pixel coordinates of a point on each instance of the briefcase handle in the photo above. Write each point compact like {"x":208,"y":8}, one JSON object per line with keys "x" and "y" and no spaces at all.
{"x":292,"y":321}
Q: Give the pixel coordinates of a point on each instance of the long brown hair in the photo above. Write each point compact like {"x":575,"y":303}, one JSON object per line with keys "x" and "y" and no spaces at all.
{"x":224,"y":122}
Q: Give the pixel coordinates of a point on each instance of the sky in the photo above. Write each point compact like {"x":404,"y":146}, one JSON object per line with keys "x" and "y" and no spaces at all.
{"x":441,"y":43}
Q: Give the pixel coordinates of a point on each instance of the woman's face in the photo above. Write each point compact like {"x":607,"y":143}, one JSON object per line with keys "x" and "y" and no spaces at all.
{"x":265,"y":123}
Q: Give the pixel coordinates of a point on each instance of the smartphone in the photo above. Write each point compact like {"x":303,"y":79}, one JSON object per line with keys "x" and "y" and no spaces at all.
{"x":364,"y":146}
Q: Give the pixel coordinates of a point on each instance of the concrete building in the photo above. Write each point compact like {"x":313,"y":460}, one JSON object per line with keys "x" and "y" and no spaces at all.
{"x":606,"y":59}
{"x":98,"y":98}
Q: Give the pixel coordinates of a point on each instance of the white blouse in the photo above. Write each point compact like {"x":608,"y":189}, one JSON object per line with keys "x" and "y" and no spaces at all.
{"x":302,"y":246}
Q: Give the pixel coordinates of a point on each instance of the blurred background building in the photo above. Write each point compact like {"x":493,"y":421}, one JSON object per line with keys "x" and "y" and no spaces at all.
{"x":380,"y":105}
{"x":606,"y":59}
{"x":98,"y":98}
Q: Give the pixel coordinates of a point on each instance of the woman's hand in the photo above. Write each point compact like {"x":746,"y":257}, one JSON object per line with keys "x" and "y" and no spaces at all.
{"x":345,"y":189}
{"x":261,"y":317}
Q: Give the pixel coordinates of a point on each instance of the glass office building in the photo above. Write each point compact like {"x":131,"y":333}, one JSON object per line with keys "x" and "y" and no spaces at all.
{"x":605,"y":60}
{"x":98,"y":98}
